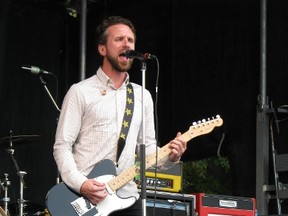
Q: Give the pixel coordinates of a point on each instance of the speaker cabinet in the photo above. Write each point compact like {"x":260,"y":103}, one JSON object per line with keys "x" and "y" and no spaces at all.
{"x":211,"y":205}
{"x":170,"y":204}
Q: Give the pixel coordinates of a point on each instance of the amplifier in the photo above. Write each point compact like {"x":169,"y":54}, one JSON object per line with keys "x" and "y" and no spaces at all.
{"x":160,"y":203}
{"x":169,"y":180}
{"x":211,"y":205}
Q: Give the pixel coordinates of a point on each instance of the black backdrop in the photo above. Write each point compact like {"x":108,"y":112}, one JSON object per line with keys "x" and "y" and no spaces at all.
{"x":209,"y":54}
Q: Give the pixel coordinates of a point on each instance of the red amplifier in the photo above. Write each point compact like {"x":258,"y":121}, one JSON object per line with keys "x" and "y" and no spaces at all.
{"x":220,"y":205}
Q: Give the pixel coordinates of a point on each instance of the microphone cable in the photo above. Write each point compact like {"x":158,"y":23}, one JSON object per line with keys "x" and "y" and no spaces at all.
{"x":156,"y":130}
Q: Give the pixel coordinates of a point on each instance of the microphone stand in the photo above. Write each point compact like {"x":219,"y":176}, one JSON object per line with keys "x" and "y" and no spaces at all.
{"x":56,"y":106}
{"x":142,"y":146}
{"x":48,"y":92}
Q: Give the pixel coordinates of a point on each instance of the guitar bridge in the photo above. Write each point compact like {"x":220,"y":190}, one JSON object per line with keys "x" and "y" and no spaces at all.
{"x":81,"y":206}
{"x":76,"y":206}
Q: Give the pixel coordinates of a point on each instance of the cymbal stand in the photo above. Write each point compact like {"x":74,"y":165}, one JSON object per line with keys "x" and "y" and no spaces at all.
{"x":20,"y":174}
{"x":5,"y":185}
{"x":21,"y":201}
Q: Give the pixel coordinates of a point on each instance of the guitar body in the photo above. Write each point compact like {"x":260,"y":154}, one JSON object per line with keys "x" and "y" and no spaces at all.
{"x":62,"y":201}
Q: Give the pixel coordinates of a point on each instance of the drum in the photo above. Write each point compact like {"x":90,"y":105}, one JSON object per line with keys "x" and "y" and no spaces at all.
{"x":2,"y":212}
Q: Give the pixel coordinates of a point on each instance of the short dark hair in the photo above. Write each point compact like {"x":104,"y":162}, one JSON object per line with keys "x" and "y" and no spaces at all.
{"x":101,"y":30}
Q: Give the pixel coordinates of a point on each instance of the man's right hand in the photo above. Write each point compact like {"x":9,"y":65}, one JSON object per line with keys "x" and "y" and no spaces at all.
{"x":94,"y":191}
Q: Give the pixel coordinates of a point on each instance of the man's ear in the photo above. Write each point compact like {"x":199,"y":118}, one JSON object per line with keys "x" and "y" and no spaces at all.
{"x":102,"y":49}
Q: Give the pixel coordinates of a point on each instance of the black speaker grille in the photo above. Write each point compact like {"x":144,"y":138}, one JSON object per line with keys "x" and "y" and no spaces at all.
{"x":169,"y":204}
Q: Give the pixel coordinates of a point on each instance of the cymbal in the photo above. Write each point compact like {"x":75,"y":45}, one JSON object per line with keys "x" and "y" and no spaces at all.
{"x":18,"y":139}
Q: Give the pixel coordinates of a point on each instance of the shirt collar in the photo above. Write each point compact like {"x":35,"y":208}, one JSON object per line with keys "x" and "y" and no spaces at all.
{"x":106,"y":80}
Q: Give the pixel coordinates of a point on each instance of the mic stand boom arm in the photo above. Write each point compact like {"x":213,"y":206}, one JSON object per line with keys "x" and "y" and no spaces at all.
{"x":48,"y":92}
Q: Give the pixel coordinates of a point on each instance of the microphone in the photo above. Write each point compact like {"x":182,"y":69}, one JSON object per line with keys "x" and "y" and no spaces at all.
{"x":35,"y":70}
{"x":134,"y":54}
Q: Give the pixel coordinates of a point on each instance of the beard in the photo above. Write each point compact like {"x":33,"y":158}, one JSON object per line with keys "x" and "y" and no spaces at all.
{"x":118,"y":66}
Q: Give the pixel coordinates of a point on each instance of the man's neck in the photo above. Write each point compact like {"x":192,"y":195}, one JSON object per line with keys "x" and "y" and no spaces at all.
{"x":117,"y":77}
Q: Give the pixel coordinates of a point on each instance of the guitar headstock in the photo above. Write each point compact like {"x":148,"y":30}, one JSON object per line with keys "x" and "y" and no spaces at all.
{"x":205,"y":126}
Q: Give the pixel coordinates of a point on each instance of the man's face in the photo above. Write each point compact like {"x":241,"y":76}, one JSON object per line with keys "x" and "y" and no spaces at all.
{"x":120,"y":38}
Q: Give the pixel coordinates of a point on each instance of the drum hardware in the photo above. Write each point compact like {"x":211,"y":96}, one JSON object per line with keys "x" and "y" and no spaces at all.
{"x":18,"y":140}
{"x":21,"y":201}
{"x":30,"y":208}
{"x":11,"y":140}
{"x":5,"y":185}
{"x":20,"y":174}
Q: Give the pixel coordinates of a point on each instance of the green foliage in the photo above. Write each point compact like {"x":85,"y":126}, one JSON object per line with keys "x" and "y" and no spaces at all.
{"x":211,"y":176}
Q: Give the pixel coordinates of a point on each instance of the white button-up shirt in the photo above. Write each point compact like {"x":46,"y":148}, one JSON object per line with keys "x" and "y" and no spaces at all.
{"x":89,"y":127}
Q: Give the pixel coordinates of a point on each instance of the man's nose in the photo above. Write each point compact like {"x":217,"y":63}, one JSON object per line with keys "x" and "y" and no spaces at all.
{"x":126,"y":42}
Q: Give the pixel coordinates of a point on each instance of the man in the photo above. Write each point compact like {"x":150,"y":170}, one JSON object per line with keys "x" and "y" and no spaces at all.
{"x":91,"y":118}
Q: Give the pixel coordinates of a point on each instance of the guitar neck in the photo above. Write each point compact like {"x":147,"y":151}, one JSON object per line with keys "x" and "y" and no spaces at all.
{"x":194,"y":131}
{"x":128,"y":175}
{"x":164,"y":151}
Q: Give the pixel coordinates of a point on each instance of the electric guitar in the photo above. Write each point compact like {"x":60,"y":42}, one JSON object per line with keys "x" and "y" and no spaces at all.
{"x":62,"y":201}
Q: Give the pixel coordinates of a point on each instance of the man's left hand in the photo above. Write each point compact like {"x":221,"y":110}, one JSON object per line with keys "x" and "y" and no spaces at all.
{"x":178,"y":147}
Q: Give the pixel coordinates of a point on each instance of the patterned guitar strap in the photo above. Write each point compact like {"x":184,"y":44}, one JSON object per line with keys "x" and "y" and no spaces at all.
{"x":128,"y":113}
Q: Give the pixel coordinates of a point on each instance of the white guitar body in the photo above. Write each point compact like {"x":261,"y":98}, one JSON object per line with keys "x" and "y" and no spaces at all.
{"x":112,"y":202}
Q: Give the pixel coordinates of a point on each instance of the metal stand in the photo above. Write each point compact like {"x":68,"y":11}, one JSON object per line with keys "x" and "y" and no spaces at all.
{"x":56,"y":106}
{"x":21,"y":200}
{"x":20,"y":174}
{"x":262,"y":125}
{"x":48,"y":92}
{"x":142,"y":146}
{"x":276,"y":177}
{"x":6,"y":199}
